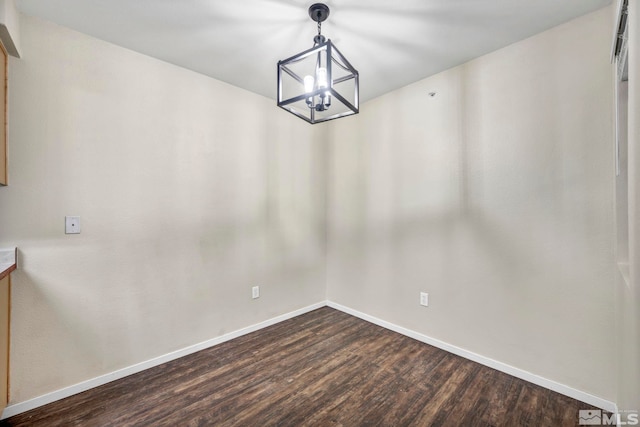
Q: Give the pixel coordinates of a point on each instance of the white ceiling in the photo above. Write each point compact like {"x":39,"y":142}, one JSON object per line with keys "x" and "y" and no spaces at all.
{"x":391,"y":43}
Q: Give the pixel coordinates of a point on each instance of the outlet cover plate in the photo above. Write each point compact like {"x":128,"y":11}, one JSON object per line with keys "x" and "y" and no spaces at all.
{"x":72,"y":225}
{"x":424,"y":299}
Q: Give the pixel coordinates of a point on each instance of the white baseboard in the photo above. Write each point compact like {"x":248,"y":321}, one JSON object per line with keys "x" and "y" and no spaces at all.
{"x":36,"y":402}
{"x":21,"y":407}
{"x":503,"y":367}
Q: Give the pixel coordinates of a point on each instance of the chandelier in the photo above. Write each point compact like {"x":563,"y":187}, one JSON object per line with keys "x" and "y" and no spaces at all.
{"x":318,"y":84}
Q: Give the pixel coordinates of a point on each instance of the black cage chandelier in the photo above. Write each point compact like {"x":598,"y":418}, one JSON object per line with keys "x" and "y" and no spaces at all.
{"x":318,"y":84}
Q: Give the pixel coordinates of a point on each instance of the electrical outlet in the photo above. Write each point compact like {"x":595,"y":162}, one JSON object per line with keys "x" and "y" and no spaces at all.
{"x":255,"y":292}
{"x":424,"y":299}
{"x":72,"y":225}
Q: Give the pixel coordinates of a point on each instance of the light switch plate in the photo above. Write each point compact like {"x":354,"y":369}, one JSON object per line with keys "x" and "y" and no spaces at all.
{"x":424,"y":299}
{"x":72,"y":225}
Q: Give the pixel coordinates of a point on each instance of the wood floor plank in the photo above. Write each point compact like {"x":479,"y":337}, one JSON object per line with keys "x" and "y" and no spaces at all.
{"x":324,"y":368}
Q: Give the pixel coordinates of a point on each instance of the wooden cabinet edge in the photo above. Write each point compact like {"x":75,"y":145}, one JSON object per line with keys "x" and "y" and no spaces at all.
{"x":4,"y":347}
{"x":8,"y":271}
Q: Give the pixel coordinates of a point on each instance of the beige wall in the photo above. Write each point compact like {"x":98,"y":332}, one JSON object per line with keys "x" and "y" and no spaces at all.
{"x":495,"y":196}
{"x":190,"y":192}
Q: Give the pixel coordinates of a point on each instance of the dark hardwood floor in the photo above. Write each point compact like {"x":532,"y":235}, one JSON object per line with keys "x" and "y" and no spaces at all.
{"x":324,"y":368}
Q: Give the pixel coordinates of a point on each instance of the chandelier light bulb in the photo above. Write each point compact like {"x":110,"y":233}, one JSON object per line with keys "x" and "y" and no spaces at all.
{"x":322,"y":77}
